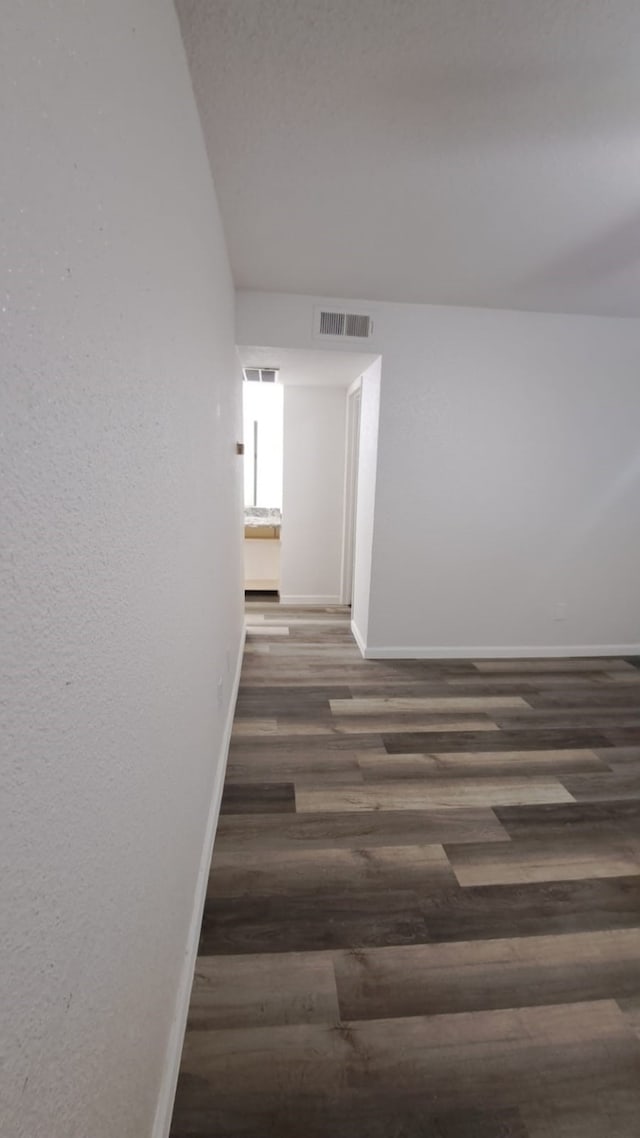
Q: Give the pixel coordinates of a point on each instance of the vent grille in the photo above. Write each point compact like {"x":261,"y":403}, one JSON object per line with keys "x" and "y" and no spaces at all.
{"x":351,"y":324}
{"x":332,"y":323}
{"x":357,"y":325}
{"x":261,"y":374}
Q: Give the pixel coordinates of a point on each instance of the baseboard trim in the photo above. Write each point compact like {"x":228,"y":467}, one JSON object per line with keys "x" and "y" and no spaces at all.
{"x":167,"y":1093}
{"x":306,"y":599}
{"x":518,"y":652}
{"x":359,"y":639}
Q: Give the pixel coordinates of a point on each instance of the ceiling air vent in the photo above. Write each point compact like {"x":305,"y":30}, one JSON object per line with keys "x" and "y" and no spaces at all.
{"x":261,"y":374}
{"x":332,"y":323}
{"x":354,"y":325}
{"x":357,"y":325}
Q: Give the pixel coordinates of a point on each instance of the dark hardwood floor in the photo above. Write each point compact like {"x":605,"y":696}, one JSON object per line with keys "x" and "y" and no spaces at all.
{"x":423,"y":914}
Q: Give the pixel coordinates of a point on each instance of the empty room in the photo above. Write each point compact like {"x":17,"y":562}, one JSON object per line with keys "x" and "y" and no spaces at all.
{"x":320,"y":607}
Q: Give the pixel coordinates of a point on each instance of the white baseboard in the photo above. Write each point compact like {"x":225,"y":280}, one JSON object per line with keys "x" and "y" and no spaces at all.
{"x":359,"y":639}
{"x":518,"y":652}
{"x":166,"y":1096}
{"x":306,"y":599}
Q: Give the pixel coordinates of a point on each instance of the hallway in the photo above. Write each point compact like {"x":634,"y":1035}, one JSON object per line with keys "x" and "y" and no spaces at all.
{"x":423,"y":915}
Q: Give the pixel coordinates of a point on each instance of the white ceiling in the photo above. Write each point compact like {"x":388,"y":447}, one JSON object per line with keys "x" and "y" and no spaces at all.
{"x":481,"y":152}
{"x":309,"y":369}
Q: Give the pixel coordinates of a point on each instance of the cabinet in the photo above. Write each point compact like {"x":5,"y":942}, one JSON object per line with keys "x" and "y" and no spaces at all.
{"x":262,"y":561}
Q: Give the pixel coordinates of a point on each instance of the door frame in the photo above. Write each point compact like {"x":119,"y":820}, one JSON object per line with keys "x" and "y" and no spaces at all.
{"x":352,"y":448}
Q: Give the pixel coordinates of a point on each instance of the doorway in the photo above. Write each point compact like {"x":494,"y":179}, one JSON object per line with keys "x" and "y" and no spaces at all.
{"x":262,"y":409}
{"x":316,"y":542}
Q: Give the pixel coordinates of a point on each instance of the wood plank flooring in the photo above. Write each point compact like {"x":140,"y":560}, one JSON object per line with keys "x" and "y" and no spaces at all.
{"x":423,"y":913}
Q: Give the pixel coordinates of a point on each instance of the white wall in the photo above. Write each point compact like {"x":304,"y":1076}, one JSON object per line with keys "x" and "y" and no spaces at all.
{"x":365,"y":504}
{"x":313,"y":494}
{"x":508,"y":476}
{"x":121,"y":563}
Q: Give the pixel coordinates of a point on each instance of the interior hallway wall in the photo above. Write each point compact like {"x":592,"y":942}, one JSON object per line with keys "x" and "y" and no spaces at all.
{"x":121,"y":557}
{"x":313,"y":494}
{"x":508,"y":481}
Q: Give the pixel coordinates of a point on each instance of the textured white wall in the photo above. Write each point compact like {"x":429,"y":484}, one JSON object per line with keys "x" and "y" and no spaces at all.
{"x":313,"y":493}
{"x":508,"y":475}
{"x":365,"y":508}
{"x":121,"y":551}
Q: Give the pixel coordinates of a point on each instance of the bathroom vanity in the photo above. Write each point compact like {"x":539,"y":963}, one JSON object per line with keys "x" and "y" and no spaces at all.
{"x":262,"y":549}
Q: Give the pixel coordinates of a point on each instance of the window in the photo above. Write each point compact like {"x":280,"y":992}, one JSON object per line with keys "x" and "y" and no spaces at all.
{"x":263,"y":455}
